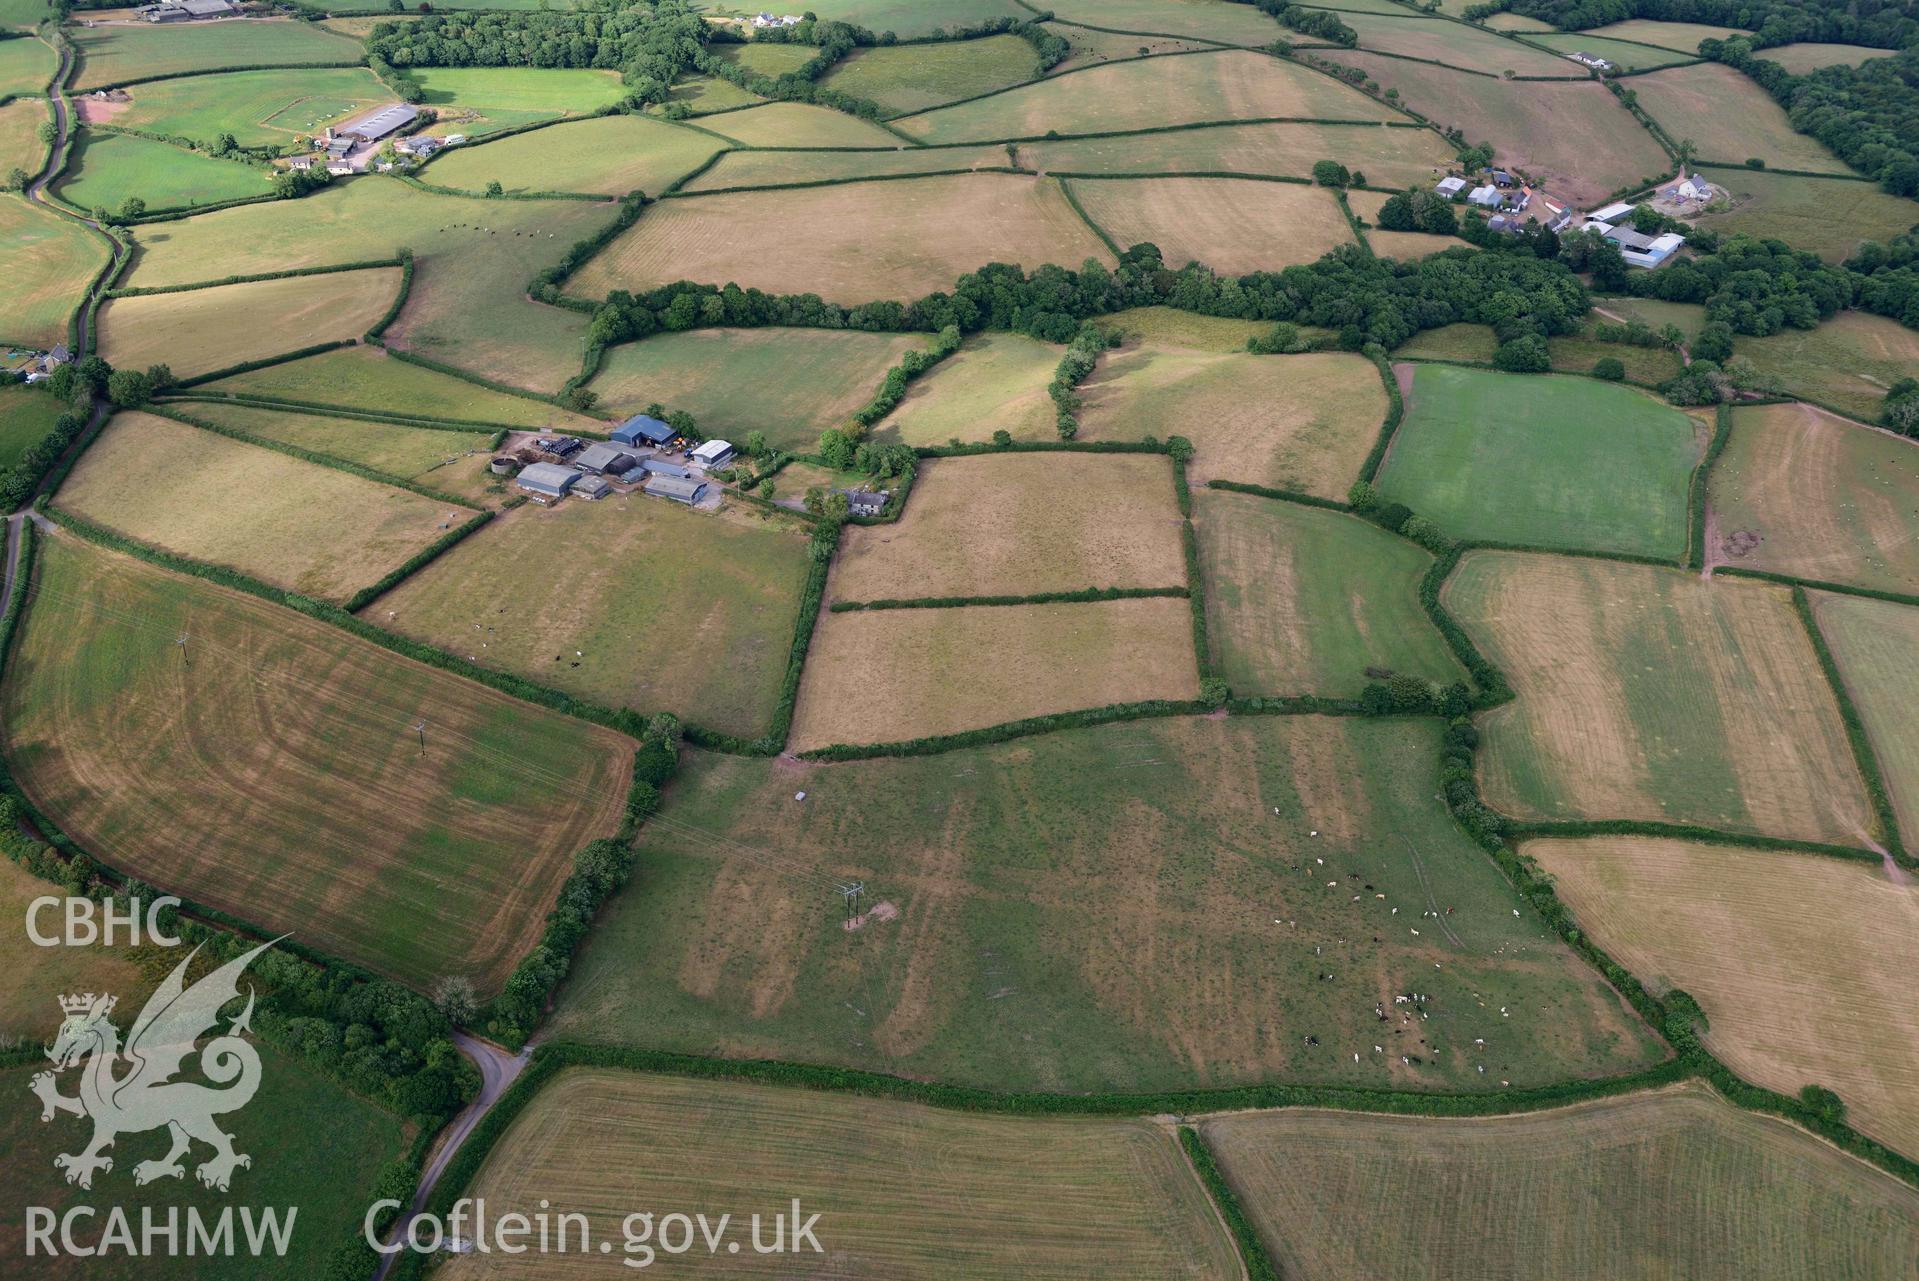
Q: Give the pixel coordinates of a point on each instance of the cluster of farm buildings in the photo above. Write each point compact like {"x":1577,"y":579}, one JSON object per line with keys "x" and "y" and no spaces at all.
{"x":641,"y":454}
{"x":1511,"y":205}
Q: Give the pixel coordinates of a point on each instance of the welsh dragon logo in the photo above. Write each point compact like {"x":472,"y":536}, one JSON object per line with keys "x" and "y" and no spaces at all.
{"x":142,"y":1095}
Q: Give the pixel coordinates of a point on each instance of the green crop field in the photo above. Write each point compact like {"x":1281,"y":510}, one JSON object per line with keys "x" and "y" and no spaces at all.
{"x":108,"y":168}
{"x":994,"y":382}
{"x":24,"y":13}
{"x":1876,"y":645}
{"x":1090,"y":1197}
{"x":20,"y":145}
{"x":1300,"y":600}
{"x":1673,"y":1184}
{"x":1390,"y":157}
{"x":610,"y":155}
{"x":1799,"y":491}
{"x":141,"y":50}
{"x":47,"y":261}
{"x":1093,"y":910}
{"x":477,"y":99}
{"x":364,"y":378}
{"x":791,"y":384}
{"x":1830,"y":217}
{"x":1233,"y":225}
{"x":1652,"y":694}
{"x":26,"y":415}
{"x":1132,"y":95}
{"x":291,"y":523}
{"x":651,"y":605}
{"x":1807,"y":57}
{"x":1848,"y":362}
{"x":26,"y":64}
{"x":906,"y":78}
{"x":416,"y":865}
{"x":797,"y":124}
{"x":259,"y":108}
{"x":1623,"y":53}
{"x":453,"y":462}
{"x":775,"y":168}
{"x":1730,"y":118}
{"x":1556,"y":462}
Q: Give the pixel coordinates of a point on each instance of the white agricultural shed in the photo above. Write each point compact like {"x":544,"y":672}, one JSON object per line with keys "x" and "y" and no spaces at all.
{"x":714,"y":453}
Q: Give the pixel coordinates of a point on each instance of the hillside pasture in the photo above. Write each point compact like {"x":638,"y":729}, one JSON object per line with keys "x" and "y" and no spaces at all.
{"x":1304,"y":423}
{"x":1627,"y":54}
{"x":1652,"y":694}
{"x":994,"y":382}
{"x":197,"y":331}
{"x":24,"y":13}
{"x":791,"y":384}
{"x":765,"y":57}
{"x":1830,"y":217}
{"x":1186,"y":89}
{"x":47,"y":261}
{"x":910,"y":18}
{"x":1827,"y":499}
{"x":1390,"y":156}
{"x":1300,"y":600}
{"x":884,"y":676}
{"x":1809,"y":56}
{"x":913,"y":77}
{"x":452,"y":462}
{"x":607,"y":155}
{"x":1677,"y":1183}
{"x":1210,"y":20}
{"x":27,"y":1015}
{"x":1018,"y":525}
{"x":1116,"y":908}
{"x":628,"y":602}
{"x":1233,"y":225}
{"x":1848,"y":362}
{"x":479,"y":99}
{"x":710,"y":95}
{"x":259,"y":108}
{"x":1457,"y":44}
{"x":1801,"y":963}
{"x":864,"y":241}
{"x":27,"y":414}
{"x":1682,"y":36}
{"x":274,"y":774}
{"x":1554,"y":462}
{"x":799,"y":124}
{"x":106,"y":169}
{"x":1171,"y":327}
{"x":115,"y":52}
{"x":20,"y":145}
{"x":294,"y":524}
{"x":1730,"y":117}
{"x":27,"y":63}
{"x":1064,"y":1194}
{"x":788,"y":168}
{"x":1511,"y":21}
{"x":1089,"y":48}
{"x":1876,"y":645}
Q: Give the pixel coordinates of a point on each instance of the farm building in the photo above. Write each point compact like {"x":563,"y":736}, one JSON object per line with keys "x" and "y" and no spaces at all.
{"x":1450,"y":187}
{"x":548,"y":482}
{"x":1592,"y":60}
{"x":1693,"y":189}
{"x":503,"y":466}
{"x":419,"y":147}
{"x":642,"y":428}
{"x":377,"y":123}
{"x":1638,"y":248}
{"x":591,"y":487}
{"x":714,"y":453}
{"x":681,"y":489}
{"x":655,"y":467}
{"x":1612,"y":213}
{"x":866,"y":502}
{"x":181,"y":10}
{"x":600,"y":457}
{"x":1486,"y":197}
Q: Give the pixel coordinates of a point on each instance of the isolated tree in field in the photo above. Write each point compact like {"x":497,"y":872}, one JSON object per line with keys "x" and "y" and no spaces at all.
{"x":766,"y":490}
{"x":494,"y":188}
{"x":47,"y":132}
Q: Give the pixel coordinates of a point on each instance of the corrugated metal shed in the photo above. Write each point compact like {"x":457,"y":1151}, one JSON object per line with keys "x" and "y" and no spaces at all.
{"x":642,"y":428}
{"x":599,"y":457}
{"x":591,"y":487}
{"x":680,"y":489}
{"x":659,"y":468}
{"x":550,"y":479}
{"x":381,"y":121}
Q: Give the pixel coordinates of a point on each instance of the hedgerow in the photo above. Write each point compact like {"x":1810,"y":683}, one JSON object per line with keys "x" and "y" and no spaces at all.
{"x":1083,"y":596}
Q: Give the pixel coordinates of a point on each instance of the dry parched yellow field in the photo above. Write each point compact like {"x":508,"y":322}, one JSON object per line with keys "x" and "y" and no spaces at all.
{"x":1730,"y":117}
{"x":994,"y":382}
{"x":1652,"y":694}
{"x":903,"y":1191}
{"x":1876,"y":646}
{"x":1802,"y":963}
{"x":1233,"y":225}
{"x":882,"y":676}
{"x":199,"y":330}
{"x":1019,"y":525}
{"x":291,"y":523}
{"x":1671,"y":1184}
{"x":851,"y":243}
{"x":1390,"y":156}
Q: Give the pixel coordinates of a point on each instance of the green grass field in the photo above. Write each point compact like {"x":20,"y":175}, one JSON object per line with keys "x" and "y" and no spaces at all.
{"x":1809,"y":56}
{"x":1676,"y":1183}
{"x":26,"y":64}
{"x":1456,"y":44}
{"x":704,"y":95}
{"x":1623,"y":53}
{"x":791,"y":384}
{"x":274,"y":771}
{"x":1555,"y":462}
{"x":1208,"y":19}
{"x":799,"y":124}
{"x":1578,"y":353}
{"x":108,"y":168}
{"x":26,"y":415}
{"x":139,"y":50}
{"x":651,"y":605}
{"x":1848,"y":362}
{"x":258,"y":108}
{"x":47,"y":261}
{"x":610,"y":155}
{"x":1876,"y":644}
{"x":1305,"y":601}
{"x":908,"y":17}
{"x":1730,"y":118}
{"x":364,"y":378}
{"x":478,"y":99}
{"x":1094,"y":910}
{"x":20,"y":145}
{"x":24,"y":13}
{"x":994,"y":382}
{"x":453,"y":462}
{"x":765,"y":58}
{"x":1830,"y":217}
{"x":1389,"y":157}
{"x":1681,"y":36}
{"x":905,"y":78}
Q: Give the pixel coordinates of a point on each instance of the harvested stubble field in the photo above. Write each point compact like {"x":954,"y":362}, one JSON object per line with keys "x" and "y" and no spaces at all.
{"x":20,"y":145}
{"x":26,"y":415}
{"x":1300,"y":422}
{"x":114,"y":52}
{"x":1209,"y":20}
{"x":1651,"y":694}
{"x":864,"y":240}
{"x":1829,"y":216}
{"x":297,"y":525}
{"x":1624,"y":53}
{"x":26,"y":64}
{"x":1390,"y":156}
{"x":257,"y":107}
{"x":903,"y":78}
{"x":1811,"y":56}
{"x":47,"y":262}
{"x":105,"y":169}
{"x":453,"y":462}
{"x":994,"y":382}
{"x":610,"y":155}
{"x":902,"y":1189}
{"x":630,"y":602}
{"x":1730,"y":117}
{"x":1676,"y":1183}
{"x":799,"y":124}
{"x":1091,"y":47}
{"x":1683,"y":36}
{"x":1876,"y":645}
{"x":1019,"y":525}
{"x":274,"y":773}
{"x":197,"y":331}
{"x":1848,"y":362}
{"x":791,"y":384}
{"x":884,"y":676}
{"x":472,"y":261}
{"x":776,"y":168}
{"x":1230,"y":85}
{"x":1456,"y":44}
{"x":1802,"y":963}
{"x":1233,"y":225}
{"x":1107,"y":909}
{"x":1802,"y":492}
{"x":365,"y":378}
{"x":1300,"y":600}
{"x":1571,"y":136}
{"x":1171,"y":327}
{"x":1557,"y":462}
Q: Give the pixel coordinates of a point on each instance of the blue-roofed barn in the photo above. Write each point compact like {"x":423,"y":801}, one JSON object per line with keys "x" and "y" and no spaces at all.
{"x":641,"y":429}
